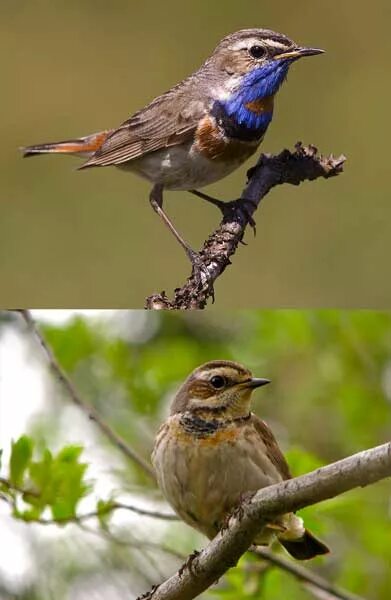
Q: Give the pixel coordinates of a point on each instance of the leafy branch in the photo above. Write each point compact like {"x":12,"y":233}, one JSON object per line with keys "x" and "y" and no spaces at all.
{"x":304,"y":164}
{"x":77,"y":399}
{"x":56,"y":483}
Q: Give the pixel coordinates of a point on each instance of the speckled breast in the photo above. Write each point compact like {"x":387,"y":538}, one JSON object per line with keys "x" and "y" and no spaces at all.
{"x":203,"y":468}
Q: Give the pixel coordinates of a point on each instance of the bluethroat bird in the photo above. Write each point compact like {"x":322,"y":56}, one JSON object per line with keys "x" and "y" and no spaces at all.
{"x":203,"y":128}
{"x":212,"y":450}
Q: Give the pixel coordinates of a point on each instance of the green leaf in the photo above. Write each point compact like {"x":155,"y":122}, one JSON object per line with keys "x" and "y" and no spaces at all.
{"x":21,"y":453}
{"x":58,"y":482}
{"x":67,"y":482}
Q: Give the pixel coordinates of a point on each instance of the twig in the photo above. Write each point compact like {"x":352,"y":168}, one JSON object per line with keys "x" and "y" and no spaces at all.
{"x":15,"y":488}
{"x":304,"y":164}
{"x":105,"y":511}
{"x":303,"y":574}
{"x":91,"y":413}
{"x":226,"y":548}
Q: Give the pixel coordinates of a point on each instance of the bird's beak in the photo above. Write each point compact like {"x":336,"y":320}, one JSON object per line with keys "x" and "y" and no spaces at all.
{"x":298,"y":53}
{"x":256,"y":382}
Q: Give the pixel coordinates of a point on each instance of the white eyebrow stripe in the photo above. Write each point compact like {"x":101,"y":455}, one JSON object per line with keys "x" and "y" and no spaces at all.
{"x":275,"y":44}
{"x":248,"y":42}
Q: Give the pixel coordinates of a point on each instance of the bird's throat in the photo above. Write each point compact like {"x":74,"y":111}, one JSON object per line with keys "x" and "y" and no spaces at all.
{"x":250,"y":106}
{"x":207,"y":424}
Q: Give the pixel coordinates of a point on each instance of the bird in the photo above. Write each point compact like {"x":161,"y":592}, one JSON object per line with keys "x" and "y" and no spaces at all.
{"x":200,"y":130}
{"x":212,"y":451}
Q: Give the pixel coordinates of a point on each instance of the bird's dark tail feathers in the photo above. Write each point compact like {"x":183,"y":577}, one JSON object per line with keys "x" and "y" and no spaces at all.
{"x":306,"y":547}
{"x":85,"y":146}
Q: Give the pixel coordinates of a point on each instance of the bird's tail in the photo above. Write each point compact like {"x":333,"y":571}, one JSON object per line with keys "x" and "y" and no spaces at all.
{"x":84,"y":146}
{"x":306,"y":547}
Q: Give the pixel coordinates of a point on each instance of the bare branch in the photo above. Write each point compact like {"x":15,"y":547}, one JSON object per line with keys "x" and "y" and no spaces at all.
{"x":223,"y":552}
{"x":304,"y":164}
{"x":74,"y":395}
{"x":111,"y":507}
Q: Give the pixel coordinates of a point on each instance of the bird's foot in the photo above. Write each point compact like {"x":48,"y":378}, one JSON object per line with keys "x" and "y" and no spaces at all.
{"x":242,"y":205}
{"x":228,"y":209}
{"x":189,"y":563}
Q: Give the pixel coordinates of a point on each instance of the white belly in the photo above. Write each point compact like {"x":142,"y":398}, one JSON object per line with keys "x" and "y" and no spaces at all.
{"x":181,"y":168}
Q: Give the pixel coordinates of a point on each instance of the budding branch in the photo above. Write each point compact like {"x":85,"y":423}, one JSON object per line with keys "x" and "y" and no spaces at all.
{"x":304,"y":164}
{"x":224,"y":551}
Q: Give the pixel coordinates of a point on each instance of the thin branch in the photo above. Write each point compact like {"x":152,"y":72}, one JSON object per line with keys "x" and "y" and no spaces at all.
{"x":303,"y":574}
{"x":223,"y":552}
{"x":15,"y":488}
{"x":76,"y":398}
{"x":304,"y":164}
{"x":106,"y":511}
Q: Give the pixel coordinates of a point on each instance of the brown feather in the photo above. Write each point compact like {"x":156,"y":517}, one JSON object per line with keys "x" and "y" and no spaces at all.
{"x":272,"y":448}
{"x":167,"y":121}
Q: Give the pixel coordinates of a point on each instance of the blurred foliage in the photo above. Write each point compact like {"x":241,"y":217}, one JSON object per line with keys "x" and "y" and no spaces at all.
{"x":83,"y":239}
{"x":330,"y":397}
{"x":56,"y":482}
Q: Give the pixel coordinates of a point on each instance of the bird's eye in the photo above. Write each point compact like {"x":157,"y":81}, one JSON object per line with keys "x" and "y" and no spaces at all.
{"x":218,"y":382}
{"x":257,"y":51}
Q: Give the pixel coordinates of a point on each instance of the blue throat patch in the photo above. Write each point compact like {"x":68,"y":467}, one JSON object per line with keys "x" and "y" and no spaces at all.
{"x":255,"y":86}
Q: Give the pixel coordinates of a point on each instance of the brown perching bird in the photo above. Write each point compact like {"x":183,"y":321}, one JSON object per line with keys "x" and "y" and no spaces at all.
{"x":212,"y":450}
{"x":202,"y":129}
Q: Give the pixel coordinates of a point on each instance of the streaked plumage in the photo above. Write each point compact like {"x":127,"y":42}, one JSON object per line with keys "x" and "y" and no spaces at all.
{"x":212,"y":450}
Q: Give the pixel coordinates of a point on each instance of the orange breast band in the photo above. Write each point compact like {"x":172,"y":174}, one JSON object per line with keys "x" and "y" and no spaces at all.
{"x":264,"y":105}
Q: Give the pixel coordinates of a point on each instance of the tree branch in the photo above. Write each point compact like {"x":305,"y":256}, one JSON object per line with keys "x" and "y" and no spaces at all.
{"x":304,"y":164}
{"x":111,"y":507}
{"x":74,"y":395}
{"x":223,"y":552}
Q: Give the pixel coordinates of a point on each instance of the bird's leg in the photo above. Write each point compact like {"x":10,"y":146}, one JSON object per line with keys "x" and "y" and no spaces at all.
{"x":156,"y":200}
{"x":227,"y":208}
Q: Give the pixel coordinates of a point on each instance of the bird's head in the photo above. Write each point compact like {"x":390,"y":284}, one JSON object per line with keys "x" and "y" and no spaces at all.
{"x":258,"y":50}
{"x":250,"y":66}
{"x":217,"y":388}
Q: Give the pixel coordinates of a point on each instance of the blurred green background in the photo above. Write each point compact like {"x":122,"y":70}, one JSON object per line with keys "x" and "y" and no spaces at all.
{"x":330,"y":397}
{"x":72,"y":238}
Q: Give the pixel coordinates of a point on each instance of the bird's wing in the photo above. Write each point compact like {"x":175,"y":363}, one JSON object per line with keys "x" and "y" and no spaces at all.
{"x":272,"y":448}
{"x":170,"y":119}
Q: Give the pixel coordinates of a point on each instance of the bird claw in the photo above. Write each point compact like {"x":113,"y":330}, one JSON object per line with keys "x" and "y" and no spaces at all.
{"x":189,"y":563}
{"x":243,"y":205}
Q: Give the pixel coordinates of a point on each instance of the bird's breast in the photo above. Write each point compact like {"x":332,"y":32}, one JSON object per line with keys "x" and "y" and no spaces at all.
{"x":213,"y":142}
{"x":203,"y":468}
